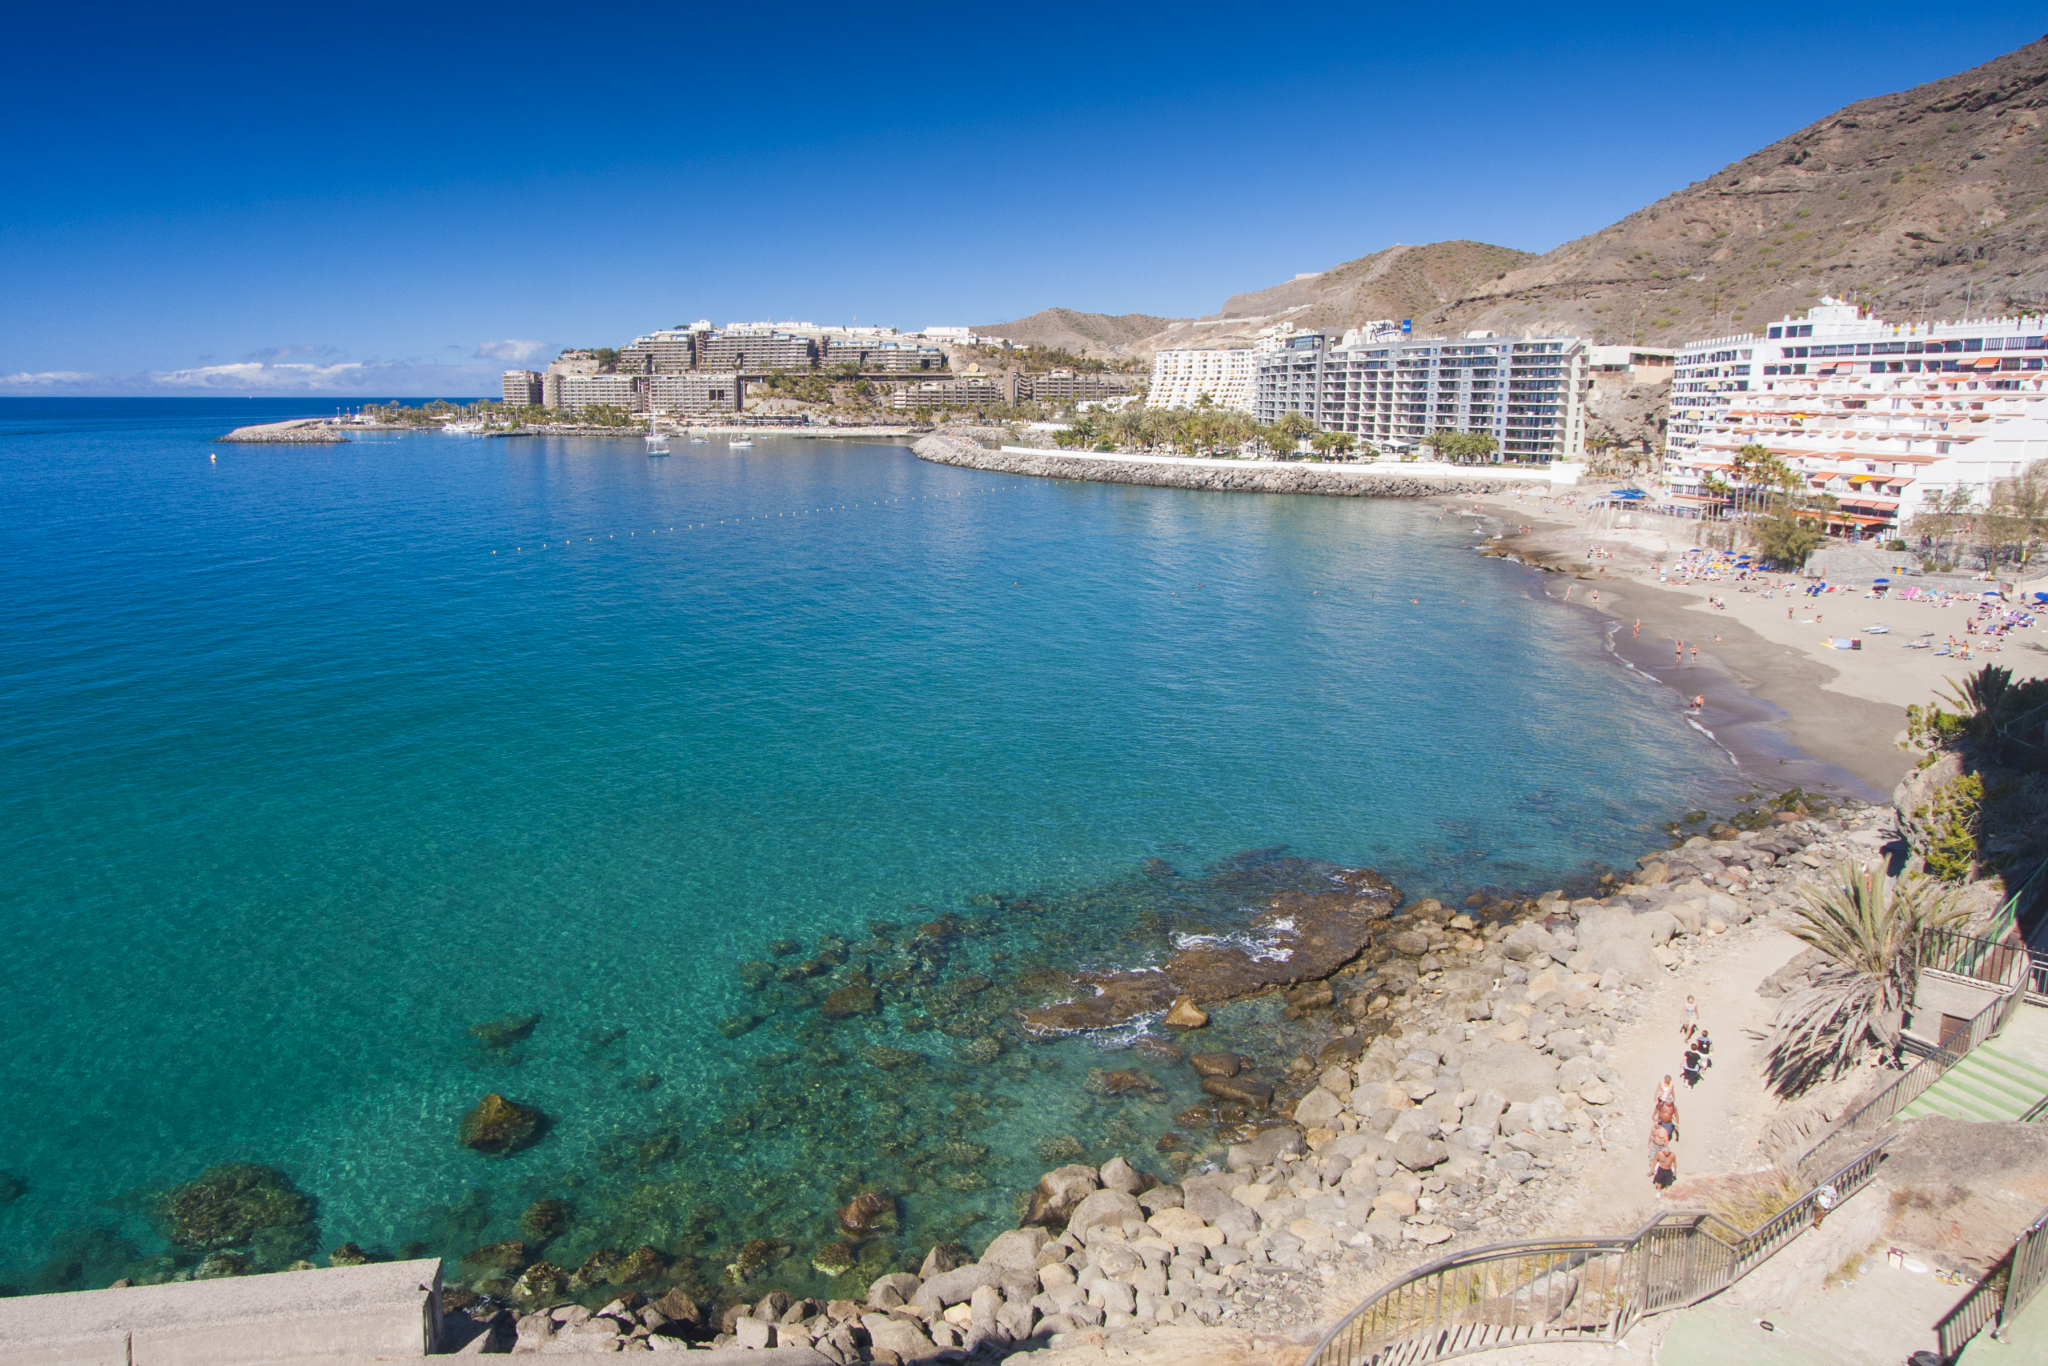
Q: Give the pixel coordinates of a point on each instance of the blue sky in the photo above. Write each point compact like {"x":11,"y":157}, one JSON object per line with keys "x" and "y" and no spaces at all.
{"x":381,"y":200}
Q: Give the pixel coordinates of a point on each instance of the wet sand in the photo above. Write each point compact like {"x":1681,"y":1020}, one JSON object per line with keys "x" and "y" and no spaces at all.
{"x":1790,"y":711}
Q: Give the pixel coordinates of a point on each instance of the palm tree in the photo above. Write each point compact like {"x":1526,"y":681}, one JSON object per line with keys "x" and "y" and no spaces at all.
{"x":1870,"y":926}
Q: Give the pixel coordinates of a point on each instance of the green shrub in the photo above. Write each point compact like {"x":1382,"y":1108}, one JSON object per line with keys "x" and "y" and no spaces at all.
{"x":1955,"y":816}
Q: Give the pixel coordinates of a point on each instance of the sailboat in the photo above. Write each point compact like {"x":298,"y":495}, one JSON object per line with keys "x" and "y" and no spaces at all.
{"x":657,"y":443}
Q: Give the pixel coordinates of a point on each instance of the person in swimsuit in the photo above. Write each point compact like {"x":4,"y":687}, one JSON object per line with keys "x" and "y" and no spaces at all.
{"x":1691,"y":1023}
{"x":1665,"y":1172}
{"x":1667,"y":1115}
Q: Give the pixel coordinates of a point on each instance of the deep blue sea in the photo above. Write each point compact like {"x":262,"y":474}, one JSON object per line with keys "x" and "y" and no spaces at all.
{"x":313,"y":758}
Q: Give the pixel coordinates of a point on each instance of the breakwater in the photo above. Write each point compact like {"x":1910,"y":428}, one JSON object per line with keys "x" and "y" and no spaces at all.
{"x":1337,"y":482}
{"x":301,"y":431}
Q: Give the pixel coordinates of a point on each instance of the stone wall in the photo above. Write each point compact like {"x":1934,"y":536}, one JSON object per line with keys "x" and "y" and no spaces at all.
{"x":1253,"y":478}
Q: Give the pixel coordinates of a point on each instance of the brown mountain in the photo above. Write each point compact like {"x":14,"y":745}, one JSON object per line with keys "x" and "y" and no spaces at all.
{"x":1919,"y":202}
{"x":1924,"y":203}
{"x":1081,"y":333}
{"x":1399,"y":282}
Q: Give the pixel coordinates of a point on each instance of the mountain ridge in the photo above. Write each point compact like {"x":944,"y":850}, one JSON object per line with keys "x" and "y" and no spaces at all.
{"x":1922,"y":202}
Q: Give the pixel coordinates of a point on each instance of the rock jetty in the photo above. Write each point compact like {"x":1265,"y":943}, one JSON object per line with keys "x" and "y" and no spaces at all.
{"x":300,"y":431}
{"x":1252,"y":478}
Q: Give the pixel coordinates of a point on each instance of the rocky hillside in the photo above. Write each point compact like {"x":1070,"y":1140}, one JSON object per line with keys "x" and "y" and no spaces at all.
{"x":1097,"y":334}
{"x":1927,"y":202}
{"x":1924,"y":201}
{"x":1399,"y":282}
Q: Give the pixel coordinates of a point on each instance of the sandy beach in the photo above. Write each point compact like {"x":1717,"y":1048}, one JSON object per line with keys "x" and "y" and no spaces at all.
{"x":1791,"y":710}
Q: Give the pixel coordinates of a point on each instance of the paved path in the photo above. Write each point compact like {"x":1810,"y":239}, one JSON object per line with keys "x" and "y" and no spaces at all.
{"x":1719,"y":1122}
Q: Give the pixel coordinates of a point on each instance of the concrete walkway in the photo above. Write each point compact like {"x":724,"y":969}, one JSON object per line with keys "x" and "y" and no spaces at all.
{"x":1874,"y":1319}
{"x":387,"y":1309}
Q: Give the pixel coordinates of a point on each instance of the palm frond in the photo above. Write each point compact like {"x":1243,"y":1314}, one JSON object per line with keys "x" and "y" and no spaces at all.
{"x":1870,"y":927}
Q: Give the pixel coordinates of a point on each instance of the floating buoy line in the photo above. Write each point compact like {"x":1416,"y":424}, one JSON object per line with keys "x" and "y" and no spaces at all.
{"x":736,"y":520}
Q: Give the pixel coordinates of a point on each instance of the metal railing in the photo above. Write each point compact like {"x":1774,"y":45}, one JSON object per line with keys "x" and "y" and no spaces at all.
{"x":1882,"y":1108}
{"x":1567,"y":1289}
{"x":2003,"y":1292}
{"x":1998,"y":964}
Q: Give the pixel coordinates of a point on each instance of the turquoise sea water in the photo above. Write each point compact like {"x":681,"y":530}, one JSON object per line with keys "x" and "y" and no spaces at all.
{"x":315,"y":757}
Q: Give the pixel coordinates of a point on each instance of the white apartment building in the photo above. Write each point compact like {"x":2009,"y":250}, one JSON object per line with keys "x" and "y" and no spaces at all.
{"x":695,"y":391}
{"x":609,"y":391}
{"x":521,"y":388}
{"x":1393,"y":391}
{"x":1181,"y":376}
{"x":1889,"y":418}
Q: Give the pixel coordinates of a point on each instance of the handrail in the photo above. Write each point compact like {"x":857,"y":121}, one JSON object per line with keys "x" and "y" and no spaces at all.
{"x":2002,"y":1292}
{"x":1566,"y":1289}
{"x":1953,"y":948}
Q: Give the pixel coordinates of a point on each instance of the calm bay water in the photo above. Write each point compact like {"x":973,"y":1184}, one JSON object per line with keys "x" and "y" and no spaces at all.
{"x":315,"y":757}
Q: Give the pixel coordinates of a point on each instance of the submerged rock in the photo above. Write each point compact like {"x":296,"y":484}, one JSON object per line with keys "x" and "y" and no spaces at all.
{"x":755,"y":1256}
{"x":503,"y":1033}
{"x":12,"y":1188}
{"x":231,"y":1204}
{"x":542,"y":1280}
{"x":854,"y":1000}
{"x":865,"y":1213}
{"x":499,"y":1126}
{"x":1121,"y":1082}
{"x":545,"y":1219}
{"x":834,"y":1259}
{"x":348,"y":1254}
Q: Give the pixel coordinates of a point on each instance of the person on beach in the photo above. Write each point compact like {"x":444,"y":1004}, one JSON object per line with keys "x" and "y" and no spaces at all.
{"x":1665,"y":1170}
{"x":1666,"y":1114}
{"x":1639,"y":629}
{"x":1695,"y":655}
{"x":1705,"y":1046}
{"x":1699,"y":701}
{"x":1690,"y":1068}
{"x":1665,"y":1091}
{"x":1689,"y":1025}
{"x":1677,"y":653}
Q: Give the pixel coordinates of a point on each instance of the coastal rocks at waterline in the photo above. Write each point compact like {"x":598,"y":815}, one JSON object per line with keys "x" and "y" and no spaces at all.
{"x":1301,"y":936}
{"x":299,"y":431}
{"x":1251,"y":477}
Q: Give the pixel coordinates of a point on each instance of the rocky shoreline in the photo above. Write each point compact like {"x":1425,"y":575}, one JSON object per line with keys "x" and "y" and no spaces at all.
{"x":1459,"y":1081}
{"x":941,"y":449}
{"x":303,"y":431}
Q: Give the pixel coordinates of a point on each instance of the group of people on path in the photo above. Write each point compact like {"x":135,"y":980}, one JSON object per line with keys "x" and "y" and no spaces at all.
{"x":1664,"y":1108}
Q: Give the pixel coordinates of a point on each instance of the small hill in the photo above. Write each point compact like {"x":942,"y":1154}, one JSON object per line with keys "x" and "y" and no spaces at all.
{"x":1097,"y":334}
{"x":1398,"y":282}
{"x":1917,"y":203}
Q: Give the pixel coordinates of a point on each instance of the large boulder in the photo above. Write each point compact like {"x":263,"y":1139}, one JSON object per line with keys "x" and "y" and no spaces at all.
{"x":1264,"y":1149}
{"x":1119,"y":1175}
{"x":1419,"y":1154}
{"x":1104,"y":1207}
{"x":1511,"y":1070}
{"x":1058,"y":1192}
{"x":1016,"y":1250}
{"x":894,"y":1333}
{"x":1318,"y":1110}
{"x":1207,"y":1197}
{"x":1529,"y":942}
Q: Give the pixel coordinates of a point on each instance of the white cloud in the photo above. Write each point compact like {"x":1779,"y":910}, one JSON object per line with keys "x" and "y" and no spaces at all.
{"x":509,"y":350}
{"x":365,"y":379}
{"x":45,"y":379}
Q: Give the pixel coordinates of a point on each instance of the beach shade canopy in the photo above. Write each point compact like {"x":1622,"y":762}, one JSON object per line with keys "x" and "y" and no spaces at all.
{"x":1875,"y":582}
{"x":2041,"y":597}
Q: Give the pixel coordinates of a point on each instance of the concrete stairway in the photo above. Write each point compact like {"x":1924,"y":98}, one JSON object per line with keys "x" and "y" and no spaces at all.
{"x":1988,"y":1084}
